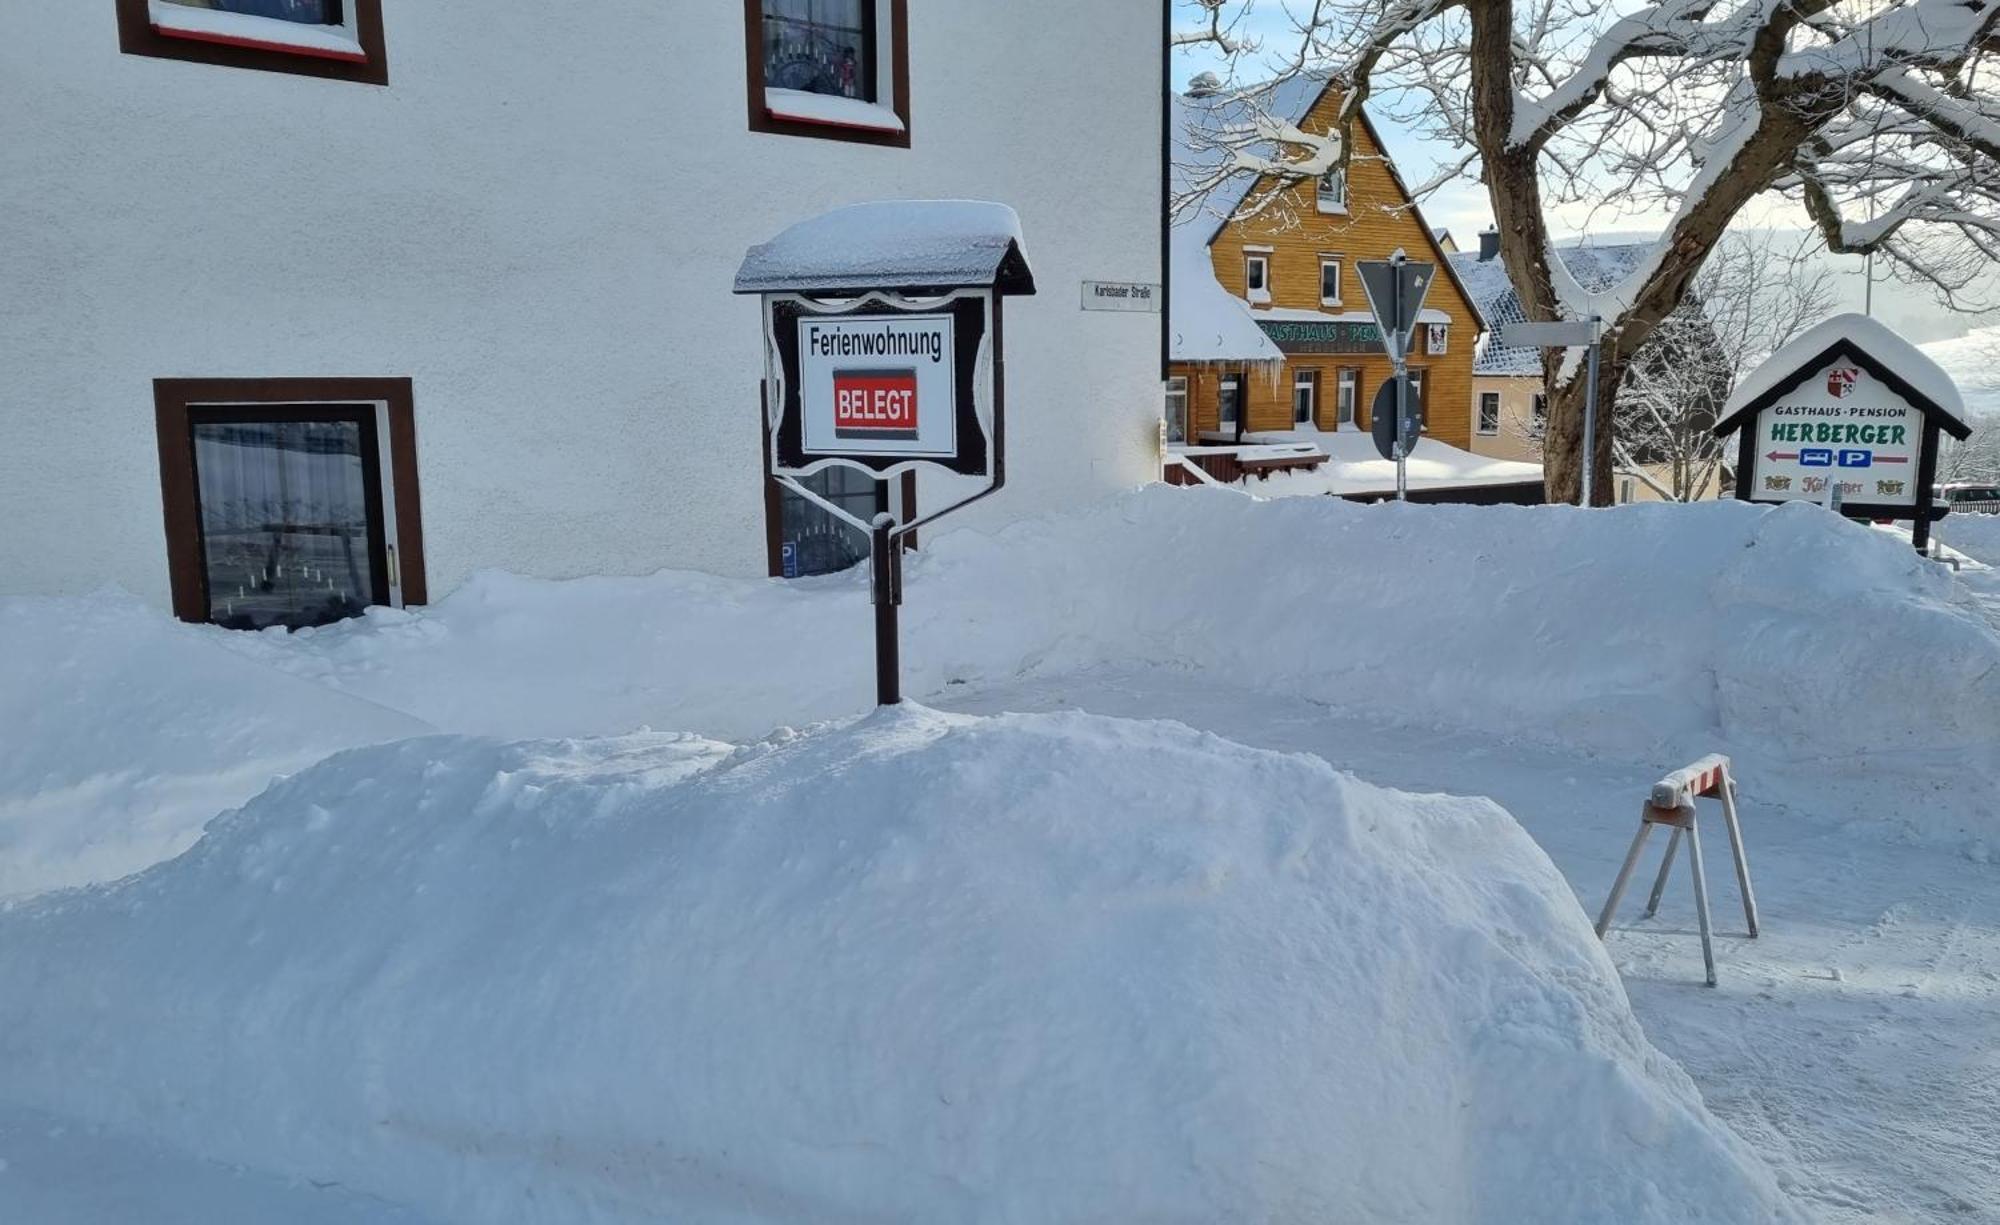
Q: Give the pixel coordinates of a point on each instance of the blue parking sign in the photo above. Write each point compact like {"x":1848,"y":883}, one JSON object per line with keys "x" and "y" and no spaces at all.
{"x":1816,"y":457}
{"x":1856,"y":459}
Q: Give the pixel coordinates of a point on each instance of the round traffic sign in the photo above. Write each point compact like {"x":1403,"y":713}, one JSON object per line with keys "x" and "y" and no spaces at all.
{"x":1382,"y":416}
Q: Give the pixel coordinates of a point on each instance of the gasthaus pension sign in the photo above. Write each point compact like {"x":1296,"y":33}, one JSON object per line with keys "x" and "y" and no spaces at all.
{"x":1841,"y":424}
{"x":1846,"y":414}
{"x":882,"y":383}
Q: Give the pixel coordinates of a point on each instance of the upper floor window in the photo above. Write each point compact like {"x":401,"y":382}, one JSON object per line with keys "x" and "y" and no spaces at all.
{"x":1333,"y":191}
{"x":322,"y":38}
{"x":1257,"y":276}
{"x":1329,"y":281}
{"x":1436,"y":337}
{"x":830,"y":68}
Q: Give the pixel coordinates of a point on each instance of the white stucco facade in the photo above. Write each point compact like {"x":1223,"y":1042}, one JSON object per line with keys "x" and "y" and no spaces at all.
{"x":536,"y":221}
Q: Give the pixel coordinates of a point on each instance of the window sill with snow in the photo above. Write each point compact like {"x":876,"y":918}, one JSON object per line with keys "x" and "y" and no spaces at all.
{"x":352,"y":50}
{"x":829,"y":111}
{"x":256,"y":33}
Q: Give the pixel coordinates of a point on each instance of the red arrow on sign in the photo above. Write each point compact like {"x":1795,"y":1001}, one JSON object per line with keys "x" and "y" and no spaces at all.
{"x":1782,"y":455}
{"x":1892,"y":459}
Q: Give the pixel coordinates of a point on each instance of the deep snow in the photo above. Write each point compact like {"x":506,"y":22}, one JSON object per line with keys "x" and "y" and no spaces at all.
{"x":1654,"y":631}
{"x":1029,"y":968}
{"x":1632,"y":639}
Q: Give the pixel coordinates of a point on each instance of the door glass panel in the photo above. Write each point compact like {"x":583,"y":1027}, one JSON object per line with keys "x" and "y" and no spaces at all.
{"x":288,"y":536}
{"x":814,"y":542}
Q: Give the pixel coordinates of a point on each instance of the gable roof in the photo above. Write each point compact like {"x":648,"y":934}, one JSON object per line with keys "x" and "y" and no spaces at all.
{"x":1594,"y":267}
{"x":1292,"y":100}
{"x":1867,"y":343}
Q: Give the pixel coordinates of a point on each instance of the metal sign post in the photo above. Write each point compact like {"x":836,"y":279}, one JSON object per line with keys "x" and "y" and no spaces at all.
{"x":885,"y":372}
{"x":1568,"y":334}
{"x":1396,"y":288}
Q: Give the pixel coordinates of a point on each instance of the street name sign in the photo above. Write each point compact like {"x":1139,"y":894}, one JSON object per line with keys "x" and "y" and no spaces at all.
{"x":1562,"y":334}
{"x":1121,"y":296}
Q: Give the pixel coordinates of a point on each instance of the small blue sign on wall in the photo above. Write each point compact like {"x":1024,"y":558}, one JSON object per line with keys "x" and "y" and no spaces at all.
{"x":1816,"y":457}
{"x":788,"y":558}
{"x":1856,"y":459}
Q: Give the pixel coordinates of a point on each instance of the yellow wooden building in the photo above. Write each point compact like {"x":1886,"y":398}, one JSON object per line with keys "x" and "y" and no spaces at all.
{"x":1305,"y":351}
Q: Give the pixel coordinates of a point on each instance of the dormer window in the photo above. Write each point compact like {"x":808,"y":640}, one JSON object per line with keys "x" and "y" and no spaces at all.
{"x":1333,"y":191}
{"x":323,"y":38}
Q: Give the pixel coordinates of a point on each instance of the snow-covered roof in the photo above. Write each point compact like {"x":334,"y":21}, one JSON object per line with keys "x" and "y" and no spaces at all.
{"x":1492,"y":291}
{"x":1898,"y":360}
{"x":1208,"y":323}
{"x":890,"y":244}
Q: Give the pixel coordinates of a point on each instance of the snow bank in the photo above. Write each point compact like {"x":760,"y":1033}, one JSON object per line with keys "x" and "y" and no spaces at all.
{"x":124,"y":731}
{"x":1655,"y":633}
{"x":923,"y":968}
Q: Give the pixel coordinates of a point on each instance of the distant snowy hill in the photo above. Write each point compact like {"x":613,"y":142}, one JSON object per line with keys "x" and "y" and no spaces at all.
{"x":1973,"y":362}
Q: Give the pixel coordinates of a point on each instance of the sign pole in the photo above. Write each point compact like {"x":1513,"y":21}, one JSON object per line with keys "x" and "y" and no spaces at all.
{"x":884,"y":556}
{"x":1400,"y":354}
{"x":1590,"y":416}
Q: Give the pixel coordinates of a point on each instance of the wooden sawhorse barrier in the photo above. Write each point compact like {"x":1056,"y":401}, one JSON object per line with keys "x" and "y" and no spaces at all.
{"x":1671,"y":803}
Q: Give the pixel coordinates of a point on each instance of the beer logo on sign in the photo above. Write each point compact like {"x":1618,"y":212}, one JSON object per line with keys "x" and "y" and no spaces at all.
{"x":1840,"y":381}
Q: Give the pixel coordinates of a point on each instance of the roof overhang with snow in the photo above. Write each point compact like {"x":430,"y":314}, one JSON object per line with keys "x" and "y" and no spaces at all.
{"x":1869,"y":344}
{"x":908,"y":245}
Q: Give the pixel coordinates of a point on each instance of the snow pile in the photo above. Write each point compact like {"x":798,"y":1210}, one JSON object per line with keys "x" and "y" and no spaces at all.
{"x":124,"y":731}
{"x":923,"y":968}
{"x":1656,"y":633}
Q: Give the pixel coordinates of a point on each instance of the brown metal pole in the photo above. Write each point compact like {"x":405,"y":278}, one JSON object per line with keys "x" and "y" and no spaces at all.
{"x":882,"y":564}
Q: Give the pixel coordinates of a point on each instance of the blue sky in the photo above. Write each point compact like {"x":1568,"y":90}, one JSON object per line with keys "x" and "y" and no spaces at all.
{"x":1462,"y":207}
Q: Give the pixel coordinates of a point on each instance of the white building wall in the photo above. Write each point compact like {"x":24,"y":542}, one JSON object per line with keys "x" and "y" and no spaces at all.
{"x":537,"y":221}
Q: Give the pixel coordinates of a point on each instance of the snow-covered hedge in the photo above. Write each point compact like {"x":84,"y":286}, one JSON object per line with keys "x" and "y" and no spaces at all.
{"x":1047,"y":969}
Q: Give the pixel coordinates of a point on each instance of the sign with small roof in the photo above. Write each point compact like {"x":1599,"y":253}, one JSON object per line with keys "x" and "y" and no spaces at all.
{"x":882,"y":354}
{"x":1848,"y":414}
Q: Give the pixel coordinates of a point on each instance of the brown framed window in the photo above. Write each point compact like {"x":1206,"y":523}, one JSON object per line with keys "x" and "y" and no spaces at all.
{"x":835,"y":69}
{"x":289,"y":502}
{"x":340,"y":39}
